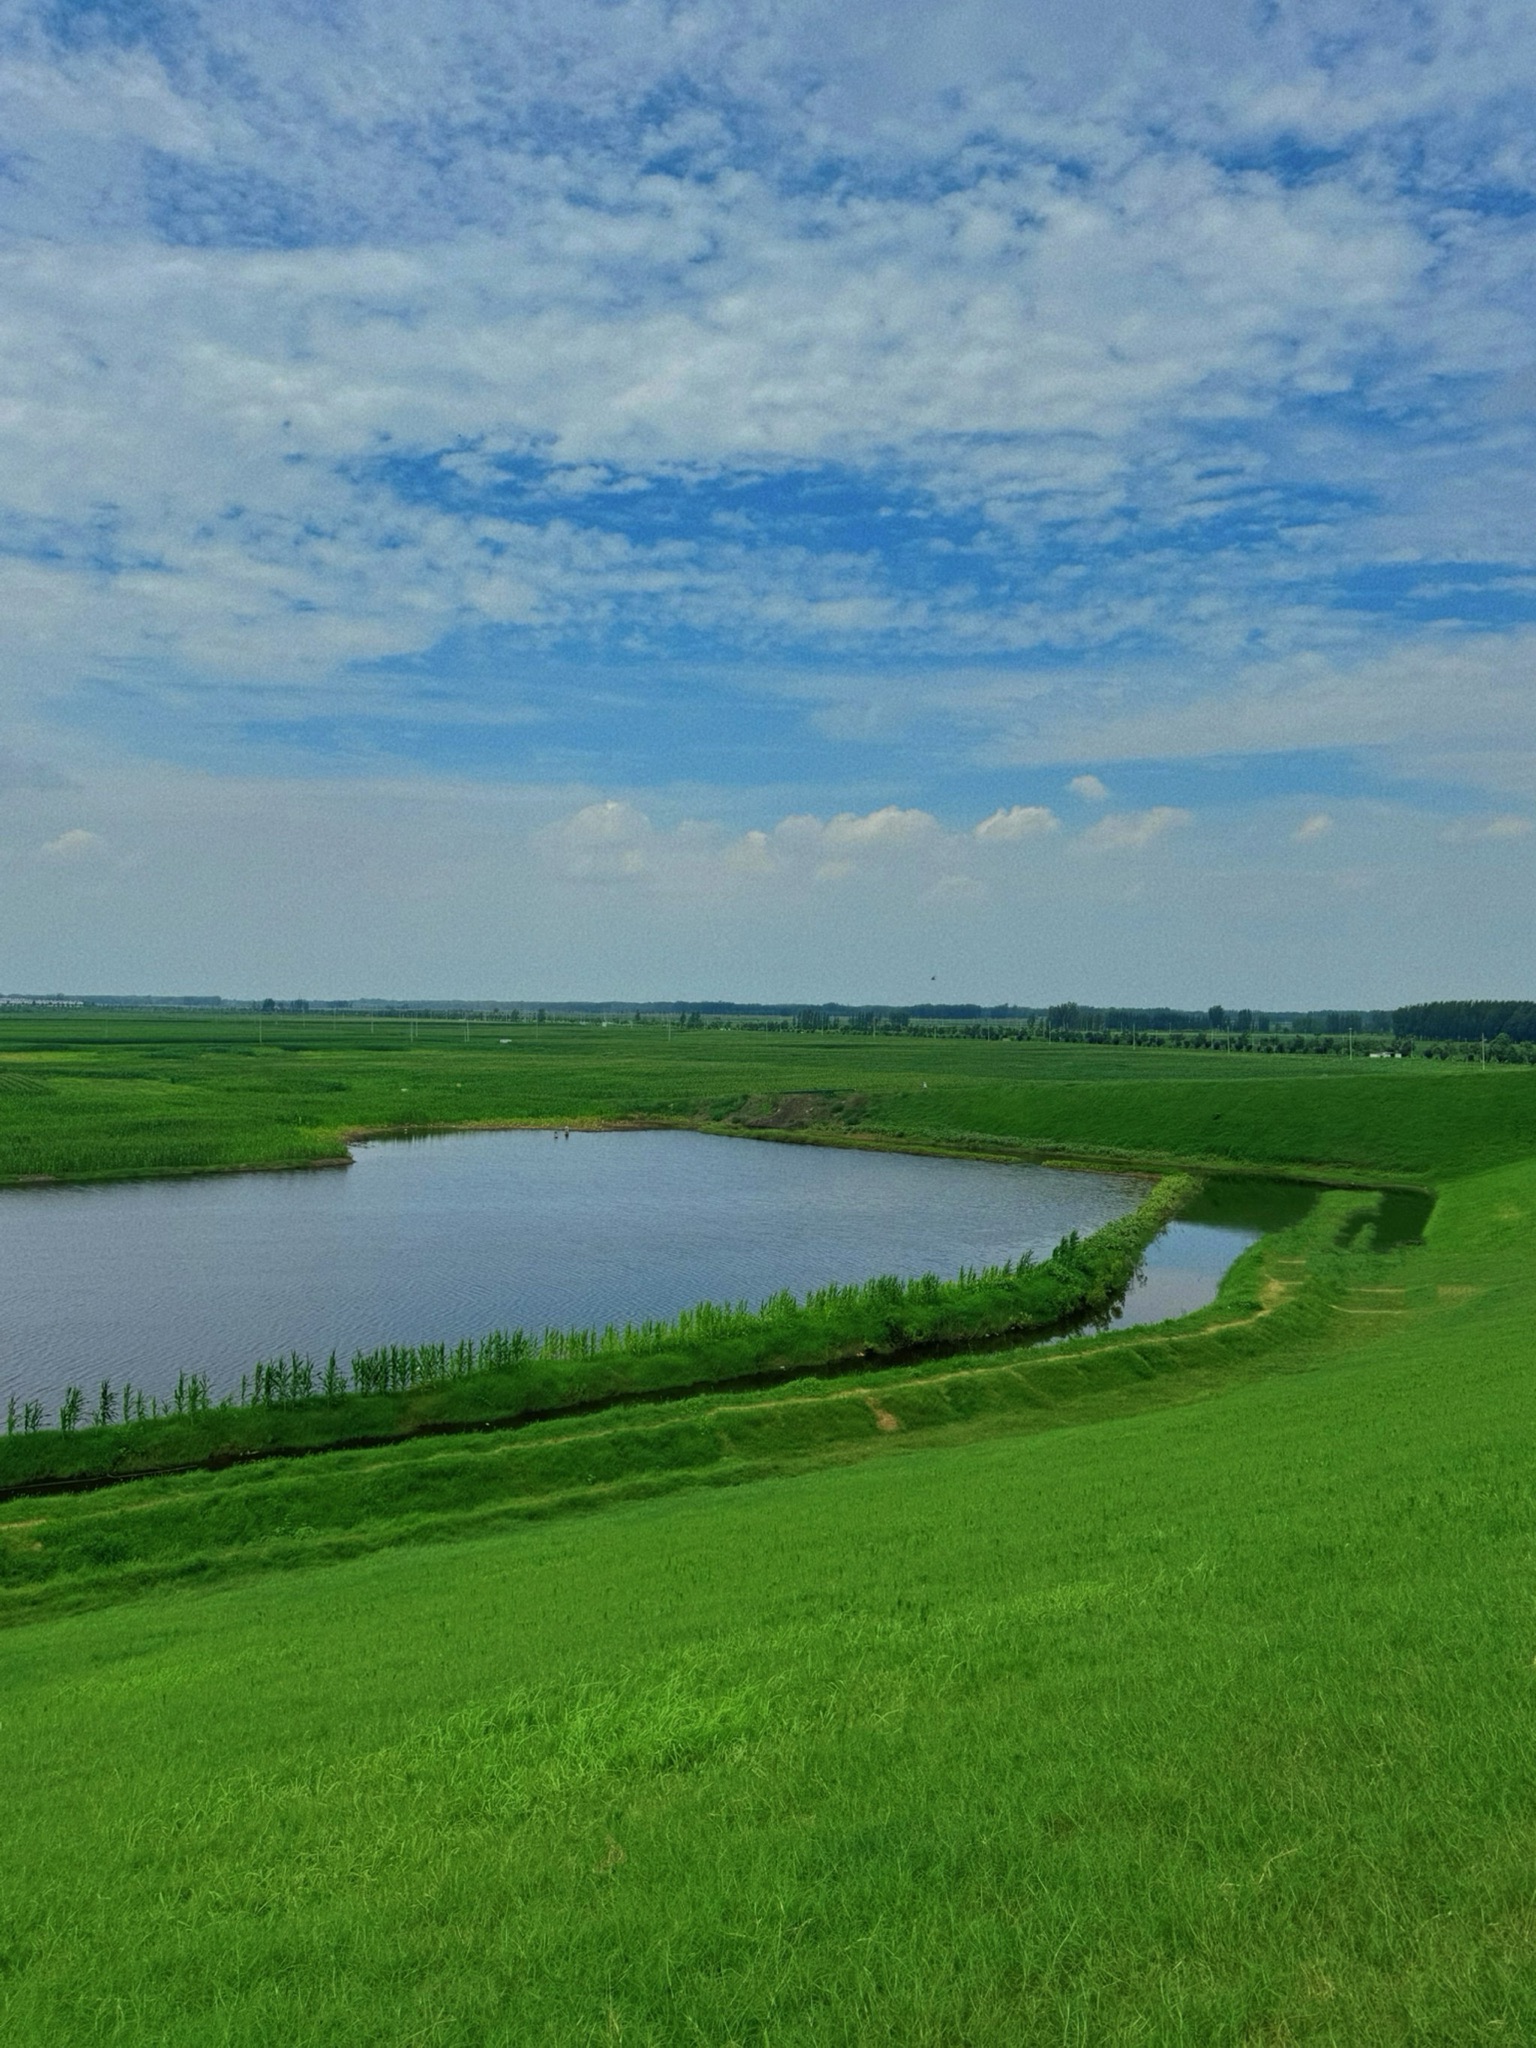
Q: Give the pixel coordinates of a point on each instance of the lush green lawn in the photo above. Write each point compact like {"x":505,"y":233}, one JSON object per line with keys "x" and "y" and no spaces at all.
{"x":1105,"y":1711}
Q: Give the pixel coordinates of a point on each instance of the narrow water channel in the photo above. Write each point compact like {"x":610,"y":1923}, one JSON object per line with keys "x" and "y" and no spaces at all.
{"x":444,"y":1237}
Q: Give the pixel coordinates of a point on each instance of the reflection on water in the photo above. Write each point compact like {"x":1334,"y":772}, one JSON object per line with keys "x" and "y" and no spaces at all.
{"x":444,"y":1237}
{"x":1183,"y":1267}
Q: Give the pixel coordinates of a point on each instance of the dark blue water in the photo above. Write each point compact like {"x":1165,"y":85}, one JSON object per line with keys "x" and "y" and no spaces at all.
{"x":440,"y":1238}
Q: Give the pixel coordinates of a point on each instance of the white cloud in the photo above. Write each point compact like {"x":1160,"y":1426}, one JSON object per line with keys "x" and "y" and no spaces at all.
{"x":1314,"y":827}
{"x":849,"y":845}
{"x":1036,"y":350}
{"x":72,"y":844}
{"x":1507,"y":825}
{"x":1019,"y":821}
{"x":1129,"y":831}
{"x":603,"y":842}
{"x":889,"y":826}
{"x":1121,"y":310}
{"x":1466,"y":701}
{"x":614,"y":842}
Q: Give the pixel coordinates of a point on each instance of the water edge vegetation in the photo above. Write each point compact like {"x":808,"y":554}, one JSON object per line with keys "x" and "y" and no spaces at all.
{"x":504,"y":1376}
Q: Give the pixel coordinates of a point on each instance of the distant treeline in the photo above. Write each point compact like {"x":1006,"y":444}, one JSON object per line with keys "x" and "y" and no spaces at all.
{"x":1064,"y":1017}
{"x":1311,"y":1023}
{"x":1467,"y":1021}
{"x":1216,"y":1026}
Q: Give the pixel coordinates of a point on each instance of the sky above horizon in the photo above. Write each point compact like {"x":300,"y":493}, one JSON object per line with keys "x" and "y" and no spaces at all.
{"x":768,"y":499}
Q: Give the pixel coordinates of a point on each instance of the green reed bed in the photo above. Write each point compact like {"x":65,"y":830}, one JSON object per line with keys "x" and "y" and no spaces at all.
{"x":505,"y":1376}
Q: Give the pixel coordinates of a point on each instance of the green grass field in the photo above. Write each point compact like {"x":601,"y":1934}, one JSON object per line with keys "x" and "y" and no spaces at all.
{"x":1169,"y":1687}
{"x":87,"y":1097}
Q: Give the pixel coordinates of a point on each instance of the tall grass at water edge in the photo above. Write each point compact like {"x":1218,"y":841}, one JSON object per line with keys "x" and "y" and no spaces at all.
{"x":505,"y":1376}
{"x":93,"y":1545}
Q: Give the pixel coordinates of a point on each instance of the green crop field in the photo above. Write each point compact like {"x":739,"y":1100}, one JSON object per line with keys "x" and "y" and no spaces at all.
{"x":1166,"y":1686}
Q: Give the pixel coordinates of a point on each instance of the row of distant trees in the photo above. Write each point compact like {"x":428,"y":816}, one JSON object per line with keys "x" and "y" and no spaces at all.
{"x":1467,"y":1021}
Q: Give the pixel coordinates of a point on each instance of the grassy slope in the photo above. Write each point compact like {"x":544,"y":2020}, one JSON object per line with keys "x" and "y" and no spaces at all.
{"x":1209,"y":1723}
{"x":1390,"y":1121}
{"x":1212,"y":1724}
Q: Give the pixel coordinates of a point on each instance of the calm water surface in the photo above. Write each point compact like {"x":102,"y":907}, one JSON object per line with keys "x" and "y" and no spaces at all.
{"x":445,"y":1237}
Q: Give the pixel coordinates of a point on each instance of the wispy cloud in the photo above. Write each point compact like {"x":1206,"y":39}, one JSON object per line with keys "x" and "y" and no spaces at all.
{"x":614,"y":842}
{"x":747,"y":407}
{"x":898,"y":408}
{"x":70,"y":845}
{"x":1130,"y":831}
{"x":1018,"y":821}
{"x":1507,"y":825}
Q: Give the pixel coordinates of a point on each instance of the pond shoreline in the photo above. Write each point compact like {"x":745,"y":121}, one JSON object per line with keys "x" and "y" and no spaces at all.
{"x":830,"y":1333}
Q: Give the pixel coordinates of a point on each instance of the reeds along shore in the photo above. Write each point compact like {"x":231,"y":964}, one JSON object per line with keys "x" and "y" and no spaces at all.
{"x":398,"y":1390}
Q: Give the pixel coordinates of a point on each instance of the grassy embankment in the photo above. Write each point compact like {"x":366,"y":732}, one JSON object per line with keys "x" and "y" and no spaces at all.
{"x":1208,"y":1723}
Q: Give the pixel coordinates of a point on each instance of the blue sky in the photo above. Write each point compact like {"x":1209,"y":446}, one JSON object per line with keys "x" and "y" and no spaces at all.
{"x":768,"y":498}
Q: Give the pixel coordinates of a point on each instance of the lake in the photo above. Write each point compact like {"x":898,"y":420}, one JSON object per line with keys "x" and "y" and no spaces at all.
{"x":437,"y":1238}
